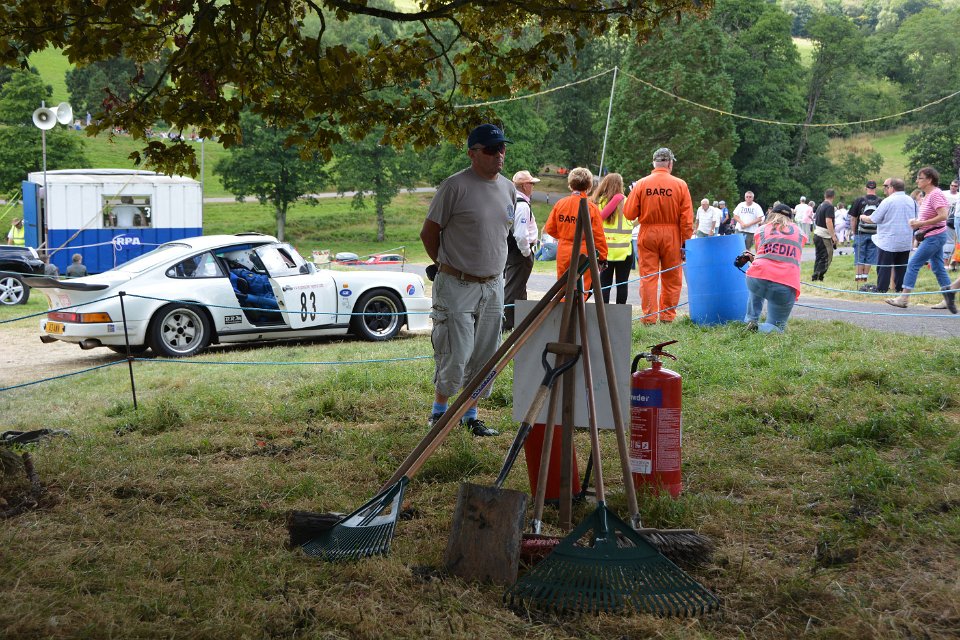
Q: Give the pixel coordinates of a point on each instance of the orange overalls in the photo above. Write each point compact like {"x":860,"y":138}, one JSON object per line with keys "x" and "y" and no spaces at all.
{"x":563,"y":222}
{"x":661,"y":204}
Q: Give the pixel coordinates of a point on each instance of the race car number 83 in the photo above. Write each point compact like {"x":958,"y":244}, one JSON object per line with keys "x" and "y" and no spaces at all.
{"x":304,"y":309}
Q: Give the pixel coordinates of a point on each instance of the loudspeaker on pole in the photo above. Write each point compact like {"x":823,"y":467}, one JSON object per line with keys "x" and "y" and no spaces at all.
{"x":45,"y":118}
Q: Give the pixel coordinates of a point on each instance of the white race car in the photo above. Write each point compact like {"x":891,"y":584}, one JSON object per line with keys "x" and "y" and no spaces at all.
{"x":187,"y":294}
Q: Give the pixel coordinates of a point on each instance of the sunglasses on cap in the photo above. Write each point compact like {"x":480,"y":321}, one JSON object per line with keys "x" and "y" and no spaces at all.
{"x":492,"y":150}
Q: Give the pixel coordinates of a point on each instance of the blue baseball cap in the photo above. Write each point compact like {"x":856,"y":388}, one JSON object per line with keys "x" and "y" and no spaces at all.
{"x":486,"y":135}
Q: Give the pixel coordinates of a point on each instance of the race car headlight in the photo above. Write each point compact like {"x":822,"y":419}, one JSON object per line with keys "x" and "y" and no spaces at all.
{"x":66,"y":316}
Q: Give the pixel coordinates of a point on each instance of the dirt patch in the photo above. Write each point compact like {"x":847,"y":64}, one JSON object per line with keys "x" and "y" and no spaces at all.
{"x":23,"y":358}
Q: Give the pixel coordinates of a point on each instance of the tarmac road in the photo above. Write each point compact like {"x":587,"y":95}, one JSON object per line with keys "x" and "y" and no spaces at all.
{"x":869,"y":313}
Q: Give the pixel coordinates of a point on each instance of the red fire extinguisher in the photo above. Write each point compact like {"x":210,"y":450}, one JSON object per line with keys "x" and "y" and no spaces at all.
{"x":655,"y":429}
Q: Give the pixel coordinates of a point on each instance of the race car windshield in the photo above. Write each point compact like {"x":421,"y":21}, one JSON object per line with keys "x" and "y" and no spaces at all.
{"x":153,"y":258}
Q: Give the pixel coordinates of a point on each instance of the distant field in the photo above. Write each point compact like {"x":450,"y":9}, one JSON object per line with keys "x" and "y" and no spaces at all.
{"x":888,"y":143}
{"x":805,"y":46}
{"x":113,"y":153}
{"x":53,"y":65}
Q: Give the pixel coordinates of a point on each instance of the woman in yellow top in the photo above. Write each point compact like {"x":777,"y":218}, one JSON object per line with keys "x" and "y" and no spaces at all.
{"x":618,"y":233}
{"x":562,"y":222}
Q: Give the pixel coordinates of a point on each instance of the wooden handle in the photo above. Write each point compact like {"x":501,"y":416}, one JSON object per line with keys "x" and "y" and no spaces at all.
{"x":591,"y":403}
{"x":612,"y":380}
{"x":569,"y":290}
{"x":465,"y":400}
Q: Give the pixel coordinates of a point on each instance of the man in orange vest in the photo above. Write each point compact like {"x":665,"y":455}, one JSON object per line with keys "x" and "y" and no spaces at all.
{"x":661,"y":204}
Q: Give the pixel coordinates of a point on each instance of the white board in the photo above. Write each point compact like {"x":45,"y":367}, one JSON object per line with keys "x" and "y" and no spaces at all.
{"x":528,"y":367}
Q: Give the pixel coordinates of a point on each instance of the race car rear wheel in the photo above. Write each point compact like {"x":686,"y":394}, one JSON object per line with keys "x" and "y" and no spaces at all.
{"x":13,"y":291}
{"x":379,"y":315}
{"x":179,"y":330}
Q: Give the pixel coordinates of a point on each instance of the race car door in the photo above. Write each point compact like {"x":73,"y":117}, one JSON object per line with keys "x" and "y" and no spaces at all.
{"x":307,"y":298}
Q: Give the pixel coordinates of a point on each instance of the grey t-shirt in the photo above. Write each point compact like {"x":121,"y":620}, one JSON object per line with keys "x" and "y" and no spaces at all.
{"x":76,"y":270}
{"x":475,"y":216}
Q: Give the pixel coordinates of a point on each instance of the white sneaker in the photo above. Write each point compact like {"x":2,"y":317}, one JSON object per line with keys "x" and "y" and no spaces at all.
{"x":940,"y":305}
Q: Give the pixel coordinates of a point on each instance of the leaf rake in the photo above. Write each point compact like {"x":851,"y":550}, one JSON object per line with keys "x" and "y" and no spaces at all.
{"x":604,"y":565}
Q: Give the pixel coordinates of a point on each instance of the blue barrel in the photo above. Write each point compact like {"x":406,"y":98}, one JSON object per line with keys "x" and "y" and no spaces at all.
{"x":716,"y":290}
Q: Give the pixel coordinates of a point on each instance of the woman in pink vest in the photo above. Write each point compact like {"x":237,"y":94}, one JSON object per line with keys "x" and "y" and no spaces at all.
{"x":774,"y":275}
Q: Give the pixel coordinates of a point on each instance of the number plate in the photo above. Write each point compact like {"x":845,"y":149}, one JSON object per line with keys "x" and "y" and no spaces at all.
{"x":55,"y":327}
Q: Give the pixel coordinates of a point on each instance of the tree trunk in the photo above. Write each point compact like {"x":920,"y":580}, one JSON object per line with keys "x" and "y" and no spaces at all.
{"x":381,"y":224}
{"x":281,"y":222}
{"x":811,"y":110}
{"x":378,"y":187}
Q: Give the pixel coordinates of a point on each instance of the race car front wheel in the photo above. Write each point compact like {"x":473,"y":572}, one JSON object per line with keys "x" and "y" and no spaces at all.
{"x":13,"y":291}
{"x":179,"y":330}
{"x":378,"y":315}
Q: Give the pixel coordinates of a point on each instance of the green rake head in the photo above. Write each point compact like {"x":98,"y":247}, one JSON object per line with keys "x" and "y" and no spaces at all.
{"x":604,"y":565}
{"x":365,"y":532}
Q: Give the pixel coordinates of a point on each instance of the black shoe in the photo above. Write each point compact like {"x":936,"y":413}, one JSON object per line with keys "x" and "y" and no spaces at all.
{"x":432,"y":420}
{"x":950,"y":298}
{"x":479,"y":429}
{"x":752,"y":326}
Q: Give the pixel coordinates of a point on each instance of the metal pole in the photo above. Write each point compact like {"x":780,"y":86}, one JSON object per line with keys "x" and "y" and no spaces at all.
{"x":126,"y":340}
{"x":606,"y":129}
{"x":42,"y":226}
{"x":202,"y":143}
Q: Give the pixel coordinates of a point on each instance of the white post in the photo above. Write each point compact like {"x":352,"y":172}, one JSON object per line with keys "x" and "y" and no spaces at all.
{"x":42,"y":226}
{"x":203,"y":141}
{"x":606,"y":129}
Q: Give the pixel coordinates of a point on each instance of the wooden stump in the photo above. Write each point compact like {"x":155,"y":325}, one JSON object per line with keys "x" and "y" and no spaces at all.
{"x":484,"y":543}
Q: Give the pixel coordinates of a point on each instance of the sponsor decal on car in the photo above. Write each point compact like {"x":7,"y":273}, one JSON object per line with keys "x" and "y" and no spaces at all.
{"x":233,"y":319}
{"x":345,"y":292}
{"x":411,"y":289}
{"x":111,"y":328}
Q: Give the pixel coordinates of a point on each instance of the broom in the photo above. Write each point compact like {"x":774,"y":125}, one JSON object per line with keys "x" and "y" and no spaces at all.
{"x":604,"y":565}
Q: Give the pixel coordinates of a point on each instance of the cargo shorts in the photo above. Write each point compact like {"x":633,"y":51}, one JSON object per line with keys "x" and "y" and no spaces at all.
{"x":467,"y":317}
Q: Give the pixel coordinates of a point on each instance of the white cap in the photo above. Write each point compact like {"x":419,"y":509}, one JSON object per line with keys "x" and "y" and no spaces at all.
{"x":522,"y":177}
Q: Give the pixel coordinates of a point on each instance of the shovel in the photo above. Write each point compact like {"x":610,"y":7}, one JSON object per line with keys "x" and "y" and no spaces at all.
{"x":484,"y":541}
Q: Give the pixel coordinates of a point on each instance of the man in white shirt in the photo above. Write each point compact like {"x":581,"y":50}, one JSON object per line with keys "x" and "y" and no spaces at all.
{"x":952,"y":196}
{"x":126,"y":213}
{"x":519,"y":247}
{"x":748,"y":215}
{"x":708,"y":220}
{"x":803,"y":214}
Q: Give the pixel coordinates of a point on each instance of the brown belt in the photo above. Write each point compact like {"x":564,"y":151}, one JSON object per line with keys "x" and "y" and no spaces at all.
{"x":447,"y":269}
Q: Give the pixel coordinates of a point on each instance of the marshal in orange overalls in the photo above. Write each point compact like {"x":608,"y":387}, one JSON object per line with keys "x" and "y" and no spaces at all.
{"x":562,"y":224}
{"x":662,"y":206}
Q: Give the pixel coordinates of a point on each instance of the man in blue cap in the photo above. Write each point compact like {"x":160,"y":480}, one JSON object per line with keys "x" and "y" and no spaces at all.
{"x":465,"y":234}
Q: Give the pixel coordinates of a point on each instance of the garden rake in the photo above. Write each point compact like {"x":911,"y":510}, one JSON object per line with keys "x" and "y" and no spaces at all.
{"x":369,"y":530}
{"x":681,"y":545}
{"x":604,"y":565}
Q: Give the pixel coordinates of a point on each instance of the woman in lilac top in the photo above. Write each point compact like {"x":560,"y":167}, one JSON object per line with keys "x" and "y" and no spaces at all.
{"x":931,"y":224}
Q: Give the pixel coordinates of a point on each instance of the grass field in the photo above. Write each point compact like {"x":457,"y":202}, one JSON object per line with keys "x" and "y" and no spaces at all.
{"x":889,"y":144}
{"x":105,"y":151}
{"x":53,"y":65}
{"x":828,"y":480}
{"x":805,"y":47}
